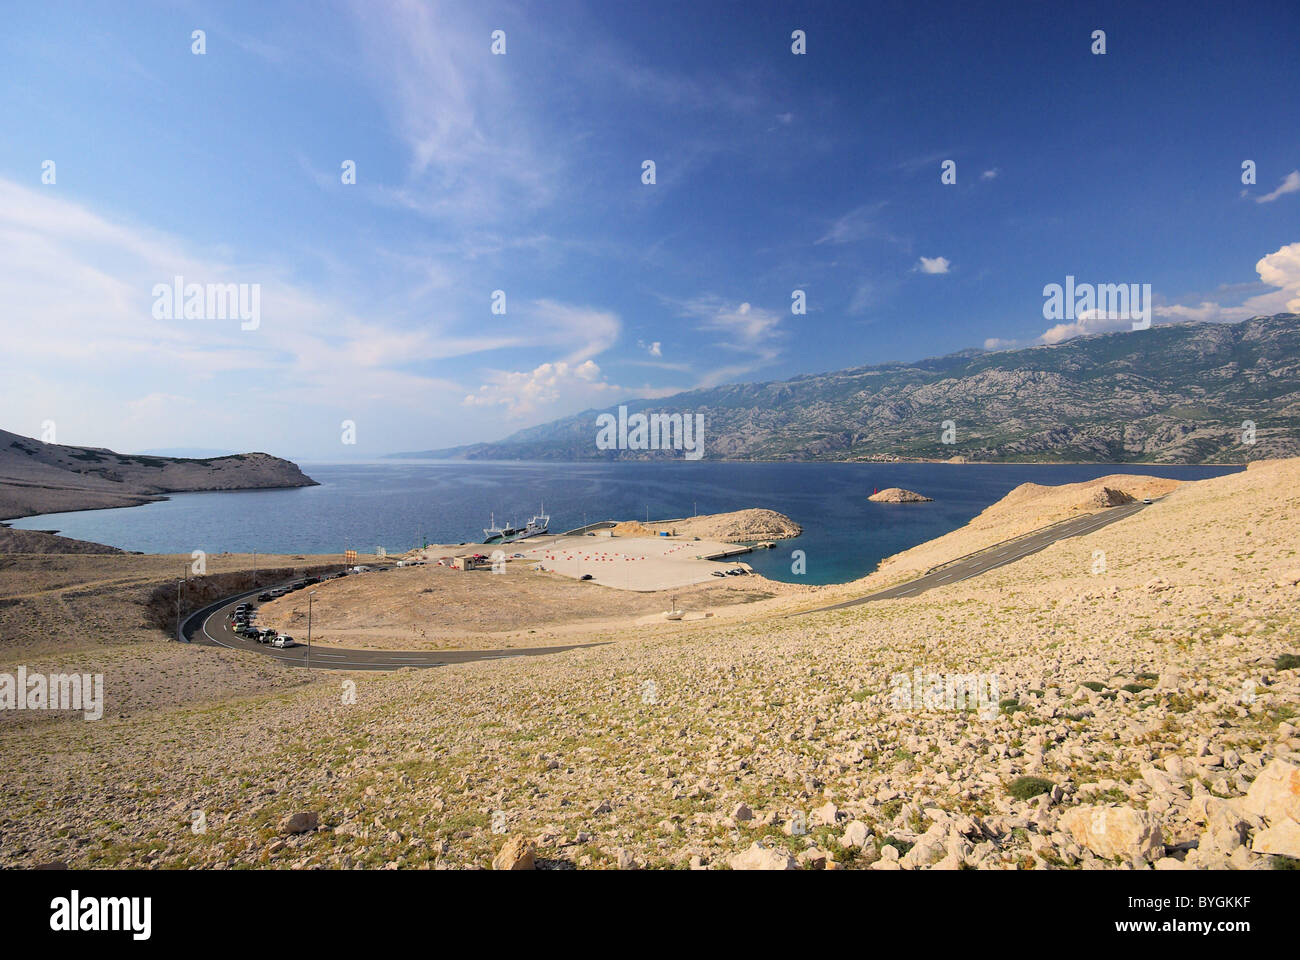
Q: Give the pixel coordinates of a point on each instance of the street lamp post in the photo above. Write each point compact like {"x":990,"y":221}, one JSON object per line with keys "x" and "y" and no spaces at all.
{"x":310,"y":597}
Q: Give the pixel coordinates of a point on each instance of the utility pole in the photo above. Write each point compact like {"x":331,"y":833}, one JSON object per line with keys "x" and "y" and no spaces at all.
{"x":178,"y":604}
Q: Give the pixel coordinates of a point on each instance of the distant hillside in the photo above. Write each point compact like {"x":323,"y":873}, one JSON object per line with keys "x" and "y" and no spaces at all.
{"x":38,"y":477}
{"x":1170,"y":394}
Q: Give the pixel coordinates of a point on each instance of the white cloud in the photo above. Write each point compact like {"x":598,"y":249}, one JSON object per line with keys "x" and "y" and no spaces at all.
{"x":1087,"y":323}
{"x":997,"y":343}
{"x":77,"y":289}
{"x":558,"y":385}
{"x":1289,"y":184}
{"x":747,"y":328}
{"x":1280,"y":269}
{"x":934,"y":265}
{"x":990,"y":174}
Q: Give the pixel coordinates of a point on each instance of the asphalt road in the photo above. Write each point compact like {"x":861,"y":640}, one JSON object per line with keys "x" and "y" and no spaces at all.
{"x":996,"y":556}
{"x":213,"y":627}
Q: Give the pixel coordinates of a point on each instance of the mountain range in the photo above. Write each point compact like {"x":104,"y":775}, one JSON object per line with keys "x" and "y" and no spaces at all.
{"x":1175,"y":393}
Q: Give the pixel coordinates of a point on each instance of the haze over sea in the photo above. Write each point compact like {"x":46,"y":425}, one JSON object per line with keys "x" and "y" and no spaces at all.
{"x":395,"y":504}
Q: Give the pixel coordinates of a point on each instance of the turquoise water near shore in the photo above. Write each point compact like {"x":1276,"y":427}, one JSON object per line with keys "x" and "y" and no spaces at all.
{"x":396,"y":503}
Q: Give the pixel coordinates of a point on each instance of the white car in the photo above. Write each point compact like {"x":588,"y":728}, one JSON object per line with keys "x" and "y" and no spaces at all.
{"x":284,"y":641}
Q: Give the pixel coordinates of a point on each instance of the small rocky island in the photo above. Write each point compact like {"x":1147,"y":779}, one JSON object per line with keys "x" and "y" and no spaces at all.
{"x":898,"y":495}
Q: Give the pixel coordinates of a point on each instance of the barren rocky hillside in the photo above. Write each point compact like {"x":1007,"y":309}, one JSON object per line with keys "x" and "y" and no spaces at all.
{"x":1137,"y":713}
{"x":1170,"y":394}
{"x":37,"y":477}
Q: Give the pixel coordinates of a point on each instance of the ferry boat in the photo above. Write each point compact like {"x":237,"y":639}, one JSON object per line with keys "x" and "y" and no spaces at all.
{"x":537,"y":525}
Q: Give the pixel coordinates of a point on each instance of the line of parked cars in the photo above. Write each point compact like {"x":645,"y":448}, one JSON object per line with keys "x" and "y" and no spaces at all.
{"x":241,"y":621}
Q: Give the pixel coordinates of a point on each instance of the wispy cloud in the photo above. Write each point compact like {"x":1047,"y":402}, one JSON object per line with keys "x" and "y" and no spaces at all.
{"x":860,"y":223}
{"x":1290,"y":184}
{"x":474,"y":149}
{"x":934,"y":265}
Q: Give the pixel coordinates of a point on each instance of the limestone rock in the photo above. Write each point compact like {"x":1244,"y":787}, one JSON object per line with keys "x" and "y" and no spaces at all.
{"x":517,"y":854}
{"x":759,"y":857}
{"x":1115,"y":832}
{"x":1282,"y":838}
{"x":1275,"y":794}
{"x":856,"y":834}
{"x":304,"y":822}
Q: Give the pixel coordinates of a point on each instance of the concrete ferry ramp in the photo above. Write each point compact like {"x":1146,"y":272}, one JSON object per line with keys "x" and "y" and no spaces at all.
{"x":633,"y":563}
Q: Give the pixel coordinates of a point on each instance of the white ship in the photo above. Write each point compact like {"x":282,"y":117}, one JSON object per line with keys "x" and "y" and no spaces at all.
{"x":536,"y":526}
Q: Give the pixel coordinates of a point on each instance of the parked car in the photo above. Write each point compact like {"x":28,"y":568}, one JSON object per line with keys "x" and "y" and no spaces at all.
{"x":1147,"y":500}
{"x":585,"y":576}
{"x":265,"y":636}
{"x":264,"y":598}
{"x":284,"y":640}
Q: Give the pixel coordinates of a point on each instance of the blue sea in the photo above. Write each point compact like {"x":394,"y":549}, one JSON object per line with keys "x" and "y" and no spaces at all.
{"x":401,"y":504}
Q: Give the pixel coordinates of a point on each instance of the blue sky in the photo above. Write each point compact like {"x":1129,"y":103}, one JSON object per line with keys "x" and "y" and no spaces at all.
{"x":522,"y":173}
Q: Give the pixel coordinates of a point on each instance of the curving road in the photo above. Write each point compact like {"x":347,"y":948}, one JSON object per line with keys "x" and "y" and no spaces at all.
{"x":998,"y":555}
{"x":211,"y":626}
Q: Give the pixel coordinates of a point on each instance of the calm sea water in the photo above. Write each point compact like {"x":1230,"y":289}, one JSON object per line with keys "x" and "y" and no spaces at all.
{"x":398,"y":504}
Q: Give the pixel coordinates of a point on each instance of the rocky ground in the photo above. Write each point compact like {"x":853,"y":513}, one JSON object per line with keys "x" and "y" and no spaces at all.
{"x":1138,"y":710}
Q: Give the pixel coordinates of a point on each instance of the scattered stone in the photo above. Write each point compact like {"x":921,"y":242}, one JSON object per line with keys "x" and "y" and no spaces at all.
{"x":1115,"y":833}
{"x":856,"y":834}
{"x":517,"y":854}
{"x":299,"y":823}
{"x":759,"y":857}
{"x":1275,"y":794}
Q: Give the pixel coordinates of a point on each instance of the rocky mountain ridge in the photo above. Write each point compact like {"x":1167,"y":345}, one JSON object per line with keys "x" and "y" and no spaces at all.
{"x":1178,"y":393}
